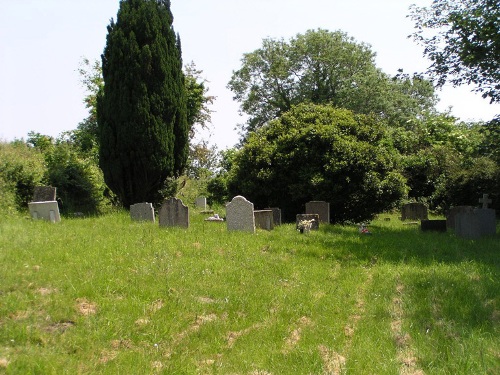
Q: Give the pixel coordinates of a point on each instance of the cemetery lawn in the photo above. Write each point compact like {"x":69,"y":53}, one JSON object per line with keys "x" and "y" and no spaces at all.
{"x":109,"y":296}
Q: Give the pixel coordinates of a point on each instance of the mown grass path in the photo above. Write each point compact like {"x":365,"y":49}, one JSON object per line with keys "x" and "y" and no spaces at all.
{"x":109,"y":296}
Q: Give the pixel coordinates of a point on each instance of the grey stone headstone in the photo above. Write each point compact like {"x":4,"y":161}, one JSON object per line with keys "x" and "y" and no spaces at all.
{"x":142,"y":212}
{"x":48,"y":210}
{"x":44,"y":194}
{"x":201,"y":202}
{"x":276,"y":215}
{"x":321,"y":208}
{"x":239,"y":215}
{"x":485,"y":201}
{"x":173,"y":213}
{"x":414,"y":211}
{"x":300,"y":217}
{"x":264,"y":219}
{"x":433,"y":225}
{"x":476,"y":223}
{"x":453,"y":212}
{"x":487,"y":221}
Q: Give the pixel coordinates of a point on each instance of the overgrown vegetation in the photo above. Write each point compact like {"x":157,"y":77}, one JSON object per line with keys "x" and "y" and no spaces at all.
{"x":106,"y":295}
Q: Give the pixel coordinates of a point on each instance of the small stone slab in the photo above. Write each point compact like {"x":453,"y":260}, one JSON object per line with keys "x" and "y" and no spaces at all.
{"x":48,"y":210}
{"x":433,"y":225}
{"x":142,"y":212}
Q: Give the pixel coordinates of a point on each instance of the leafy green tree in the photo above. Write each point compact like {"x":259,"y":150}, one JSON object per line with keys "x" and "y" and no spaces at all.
{"x":317,"y":152}
{"x":141,"y":111}
{"x":462,"y":41}
{"x":323,"y":67}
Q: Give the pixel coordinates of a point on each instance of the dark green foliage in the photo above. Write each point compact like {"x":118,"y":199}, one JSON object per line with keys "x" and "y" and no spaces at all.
{"x":141,"y":111}
{"x":317,"y":152}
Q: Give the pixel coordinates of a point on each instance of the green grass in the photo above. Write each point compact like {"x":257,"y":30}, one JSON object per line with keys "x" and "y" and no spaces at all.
{"x":110,"y":296}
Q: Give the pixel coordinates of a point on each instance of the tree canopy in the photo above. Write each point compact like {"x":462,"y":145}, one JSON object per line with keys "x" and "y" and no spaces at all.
{"x":323,"y":67}
{"x":141,"y":110}
{"x":462,"y":40}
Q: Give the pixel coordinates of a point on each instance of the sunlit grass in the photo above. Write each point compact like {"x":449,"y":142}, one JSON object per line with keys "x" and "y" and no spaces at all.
{"x":108,"y":295}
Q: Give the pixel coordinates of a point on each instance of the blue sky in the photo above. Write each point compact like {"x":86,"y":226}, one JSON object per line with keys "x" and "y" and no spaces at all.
{"x":43,"y":41}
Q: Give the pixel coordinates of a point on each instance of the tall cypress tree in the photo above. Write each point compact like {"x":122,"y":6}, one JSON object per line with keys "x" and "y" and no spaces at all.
{"x":141,"y":111}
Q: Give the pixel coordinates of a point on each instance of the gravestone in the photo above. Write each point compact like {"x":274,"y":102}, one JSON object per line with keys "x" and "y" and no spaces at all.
{"x":476,"y":223}
{"x":264,"y":219}
{"x":453,"y":212}
{"x":173,"y":213}
{"x":201,"y":202}
{"x":239,"y":215}
{"x":414,"y":211}
{"x":44,"y":194}
{"x":48,"y":210}
{"x":314,"y":217}
{"x":276,"y":215}
{"x":142,"y":212}
{"x":485,"y":200}
{"x":321,"y":208}
{"x":433,"y":225}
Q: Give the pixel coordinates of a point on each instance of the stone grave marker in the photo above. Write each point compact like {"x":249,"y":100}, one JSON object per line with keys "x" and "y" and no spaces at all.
{"x":173,"y":213}
{"x":433,"y":225}
{"x":301,"y":217}
{"x":48,"y":210}
{"x":264,"y":219}
{"x":414,"y":211}
{"x":44,"y":194}
{"x":239,"y":215}
{"x":201,"y":202}
{"x":485,"y":200}
{"x":276,"y":215}
{"x":321,"y":208}
{"x":476,"y":223}
{"x":453,"y":212}
{"x":142,"y":212}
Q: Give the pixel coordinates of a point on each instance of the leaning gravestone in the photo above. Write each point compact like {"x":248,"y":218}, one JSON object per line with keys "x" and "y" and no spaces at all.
{"x":44,"y":194}
{"x":45,"y":210}
{"x":414,"y":211}
{"x":201,"y":202}
{"x":308,"y":217}
{"x":276,"y":215}
{"x":173,"y":213}
{"x":321,"y":208}
{"x":453,"y":212}
{"x":264,"y":219}
{"x":239,"y":215}
{"x":142,"y":212}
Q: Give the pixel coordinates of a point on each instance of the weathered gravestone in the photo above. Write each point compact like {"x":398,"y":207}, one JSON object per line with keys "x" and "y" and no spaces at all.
{"x":239,"y":215}
{"x":433,"y":225}
{"x":453,"y":212}
{"x":414,"y":211}
{"x":307,"y":217}
{"x":44,"y":194}
{"x":142,"y":212}
{"x":485,"y":200}
{"x":45,"y":210}
{"x":264,"y":219}
{"x":173,"y":213}
{"x":475,"y":224}
{"x":201,"y":202}
{"x":321,"y":208}
{"x":276,"y":215}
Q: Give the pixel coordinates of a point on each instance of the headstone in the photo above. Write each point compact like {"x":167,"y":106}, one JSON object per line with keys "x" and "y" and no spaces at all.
{"x":314,"y":217}
{"x":414,"y":211}
{"x":264,"y":219}
{"x":485,"y":201}
{"x":142,"y":212}
{"x":433,"y":225}
{"x":201,"y":202}
{"x":48,"y":210}
{"x":239,"y":215}
{"x":453,"y":212}
{"x":321,"y":208}
{"x":276,"y":215}
{"x":173,"y":213}
{"x":476,"y":223}
{"x":44,"y":194}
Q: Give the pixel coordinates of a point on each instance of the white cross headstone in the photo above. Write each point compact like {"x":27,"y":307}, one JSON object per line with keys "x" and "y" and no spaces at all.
{"x":485,"y":201}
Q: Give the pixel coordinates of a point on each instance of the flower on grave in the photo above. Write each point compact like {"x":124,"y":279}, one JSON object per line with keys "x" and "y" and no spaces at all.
{"x":305,"y":225}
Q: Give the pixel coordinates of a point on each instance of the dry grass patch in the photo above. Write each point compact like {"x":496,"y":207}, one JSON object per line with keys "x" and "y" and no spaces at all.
{"x":295,"y":335}
{"x":4,"y":362}
{"x":333,"y":362}
{"x":85,"y":307}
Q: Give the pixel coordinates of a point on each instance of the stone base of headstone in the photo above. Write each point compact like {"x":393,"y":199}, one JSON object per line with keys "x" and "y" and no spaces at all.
{"x":142,"y":212}
{"x":308,"y":217}
{"x":433,"y":225}
{"x":264,"y":219}
{"x":45,"y":210}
